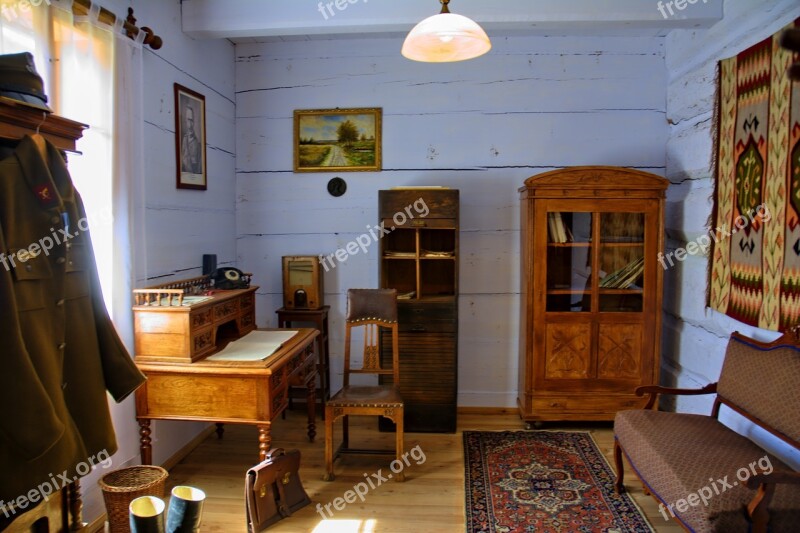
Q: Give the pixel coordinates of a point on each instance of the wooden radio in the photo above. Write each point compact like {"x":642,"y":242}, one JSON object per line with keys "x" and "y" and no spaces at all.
{"x":302,"y":282}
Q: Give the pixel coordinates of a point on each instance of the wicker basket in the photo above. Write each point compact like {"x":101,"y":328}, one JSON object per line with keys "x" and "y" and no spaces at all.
{"x":122,"y":486}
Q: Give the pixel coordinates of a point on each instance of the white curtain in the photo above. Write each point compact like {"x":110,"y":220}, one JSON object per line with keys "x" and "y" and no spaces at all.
{"x":128,"y":185}
{"x":93,"y":74}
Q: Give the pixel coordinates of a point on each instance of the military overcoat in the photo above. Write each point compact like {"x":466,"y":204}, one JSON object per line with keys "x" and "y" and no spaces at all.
{"x":59,"y":351}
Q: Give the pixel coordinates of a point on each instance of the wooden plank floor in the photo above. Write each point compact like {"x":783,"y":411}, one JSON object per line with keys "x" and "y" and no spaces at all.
{"x":431,"y":499}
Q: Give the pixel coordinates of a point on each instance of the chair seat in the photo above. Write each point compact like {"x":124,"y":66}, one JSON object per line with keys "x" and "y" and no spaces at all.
{"x":717,"y":453}
{"x":366,"y":396}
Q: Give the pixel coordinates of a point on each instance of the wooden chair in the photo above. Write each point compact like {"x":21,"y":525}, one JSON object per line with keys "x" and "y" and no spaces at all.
{"x":371,"y":309}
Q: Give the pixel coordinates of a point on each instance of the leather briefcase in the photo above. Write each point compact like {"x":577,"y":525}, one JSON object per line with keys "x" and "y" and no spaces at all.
{"x":273,"y":489}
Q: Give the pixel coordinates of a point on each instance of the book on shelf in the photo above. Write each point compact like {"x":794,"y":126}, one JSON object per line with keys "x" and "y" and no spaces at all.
{"x":558,"y":231}
{"x":394,"y":253}
{"x":436,"y":253}
{"x":625,"y":276}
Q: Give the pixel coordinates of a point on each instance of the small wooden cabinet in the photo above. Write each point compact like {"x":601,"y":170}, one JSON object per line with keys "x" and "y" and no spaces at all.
{"x":591,"y":291}
{"x":185,"y":321}
{"x":419,"y":258}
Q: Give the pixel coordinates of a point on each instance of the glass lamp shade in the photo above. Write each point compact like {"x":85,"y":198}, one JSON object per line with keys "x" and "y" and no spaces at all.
{"x":446,"y":37}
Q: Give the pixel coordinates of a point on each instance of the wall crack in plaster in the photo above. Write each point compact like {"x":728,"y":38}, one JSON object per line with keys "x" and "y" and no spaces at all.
{"x":693,"y":121}
{"x":681,"y":320}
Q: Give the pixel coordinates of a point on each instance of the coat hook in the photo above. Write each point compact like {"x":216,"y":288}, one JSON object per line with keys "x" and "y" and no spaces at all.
{"x":44,"y":117}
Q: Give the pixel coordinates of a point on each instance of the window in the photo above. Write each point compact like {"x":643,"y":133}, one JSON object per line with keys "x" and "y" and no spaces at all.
{"x":75,"y":59}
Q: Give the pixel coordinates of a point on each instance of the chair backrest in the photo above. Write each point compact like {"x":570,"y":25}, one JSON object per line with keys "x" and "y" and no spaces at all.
{"x":372,"y":309}
{"x":759,"y":380}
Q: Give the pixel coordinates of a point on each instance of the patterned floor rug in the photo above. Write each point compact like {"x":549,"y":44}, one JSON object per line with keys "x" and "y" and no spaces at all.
{"x":543,"y":481}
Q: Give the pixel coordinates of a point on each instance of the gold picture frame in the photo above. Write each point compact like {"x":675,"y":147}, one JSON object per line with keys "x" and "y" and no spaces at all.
{"x":337,"y":140}
{"x":190,"y":139}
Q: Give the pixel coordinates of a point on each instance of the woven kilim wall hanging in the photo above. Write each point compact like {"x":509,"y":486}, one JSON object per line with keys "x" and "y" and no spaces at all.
{"x":755,"y":265}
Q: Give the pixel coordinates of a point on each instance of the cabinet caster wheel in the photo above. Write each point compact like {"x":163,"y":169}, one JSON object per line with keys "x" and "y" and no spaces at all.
{"x":328,"y":477}
{"x":534,"y":425}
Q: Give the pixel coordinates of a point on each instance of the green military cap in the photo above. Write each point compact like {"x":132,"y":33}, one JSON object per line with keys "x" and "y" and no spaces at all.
{"x":20,"y":81}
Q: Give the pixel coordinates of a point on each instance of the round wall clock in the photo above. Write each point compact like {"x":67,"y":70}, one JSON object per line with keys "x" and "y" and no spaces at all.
{"x":337,"y":186}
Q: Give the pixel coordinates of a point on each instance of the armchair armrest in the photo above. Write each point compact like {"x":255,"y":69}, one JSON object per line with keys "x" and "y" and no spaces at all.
{"x":655,"y":390}
{"x":758,"y":508}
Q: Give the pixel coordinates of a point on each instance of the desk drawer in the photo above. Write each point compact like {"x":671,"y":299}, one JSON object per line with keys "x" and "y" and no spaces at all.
{"x":202,"y":342}
{"x":225,"y":310}
{"x":247,"y":301}
{"x":303,"y":368}
{"x":247,"y":321}
{"x":202,"y":318}
{"x":278,"y":387}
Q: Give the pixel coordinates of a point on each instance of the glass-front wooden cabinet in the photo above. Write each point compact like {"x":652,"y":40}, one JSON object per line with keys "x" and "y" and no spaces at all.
{"x":591,"y":291}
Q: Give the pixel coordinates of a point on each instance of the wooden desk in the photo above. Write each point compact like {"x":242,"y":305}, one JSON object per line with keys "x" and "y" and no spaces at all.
{"x":239,"y":392}
{"x":287,"y":318}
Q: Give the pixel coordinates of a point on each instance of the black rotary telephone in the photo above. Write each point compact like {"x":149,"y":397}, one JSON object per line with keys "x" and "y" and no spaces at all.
{"x":228,"y":278}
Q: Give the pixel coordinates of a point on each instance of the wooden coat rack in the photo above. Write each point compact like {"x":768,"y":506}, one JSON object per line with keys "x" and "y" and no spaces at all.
{"x":18,"y":119}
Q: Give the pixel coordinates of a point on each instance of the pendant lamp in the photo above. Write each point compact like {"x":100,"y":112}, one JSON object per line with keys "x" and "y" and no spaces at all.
{"x":446,"y":37}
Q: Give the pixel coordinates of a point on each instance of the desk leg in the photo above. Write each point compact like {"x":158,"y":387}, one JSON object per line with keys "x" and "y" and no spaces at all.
{"x":311,"y":404}
{"x":264,"y":440}
{"x":144,"y":441}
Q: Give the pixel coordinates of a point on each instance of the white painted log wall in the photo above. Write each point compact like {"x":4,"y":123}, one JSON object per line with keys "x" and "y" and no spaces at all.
{"x":695,"y":337}
{"x":483,"y":126}
{"x":183,"y":224}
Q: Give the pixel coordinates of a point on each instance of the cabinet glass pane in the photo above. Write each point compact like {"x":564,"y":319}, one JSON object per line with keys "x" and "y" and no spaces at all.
{"x":621,"y":262}
{"x":569,"y":262}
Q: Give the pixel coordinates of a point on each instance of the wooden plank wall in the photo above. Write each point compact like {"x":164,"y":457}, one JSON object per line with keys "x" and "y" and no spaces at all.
{"x":184,"y":224}
{"x":695,"y":337}
{"x":482,"y":126}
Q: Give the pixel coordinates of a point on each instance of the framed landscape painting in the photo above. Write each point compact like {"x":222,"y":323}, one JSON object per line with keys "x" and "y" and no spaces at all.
{"x":337,"y":140}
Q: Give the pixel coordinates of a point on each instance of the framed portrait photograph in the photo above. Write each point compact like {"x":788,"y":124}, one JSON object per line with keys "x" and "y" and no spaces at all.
{"x":190,"y":138}
{"x":337,"y":140}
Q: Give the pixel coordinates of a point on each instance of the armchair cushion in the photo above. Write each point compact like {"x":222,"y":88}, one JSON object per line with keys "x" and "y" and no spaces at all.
{"x":688,"y":454}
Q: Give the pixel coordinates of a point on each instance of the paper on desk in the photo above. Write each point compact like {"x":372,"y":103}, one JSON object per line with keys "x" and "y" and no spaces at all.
{"x":187,"y":301}
{"x":255,"y":346}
